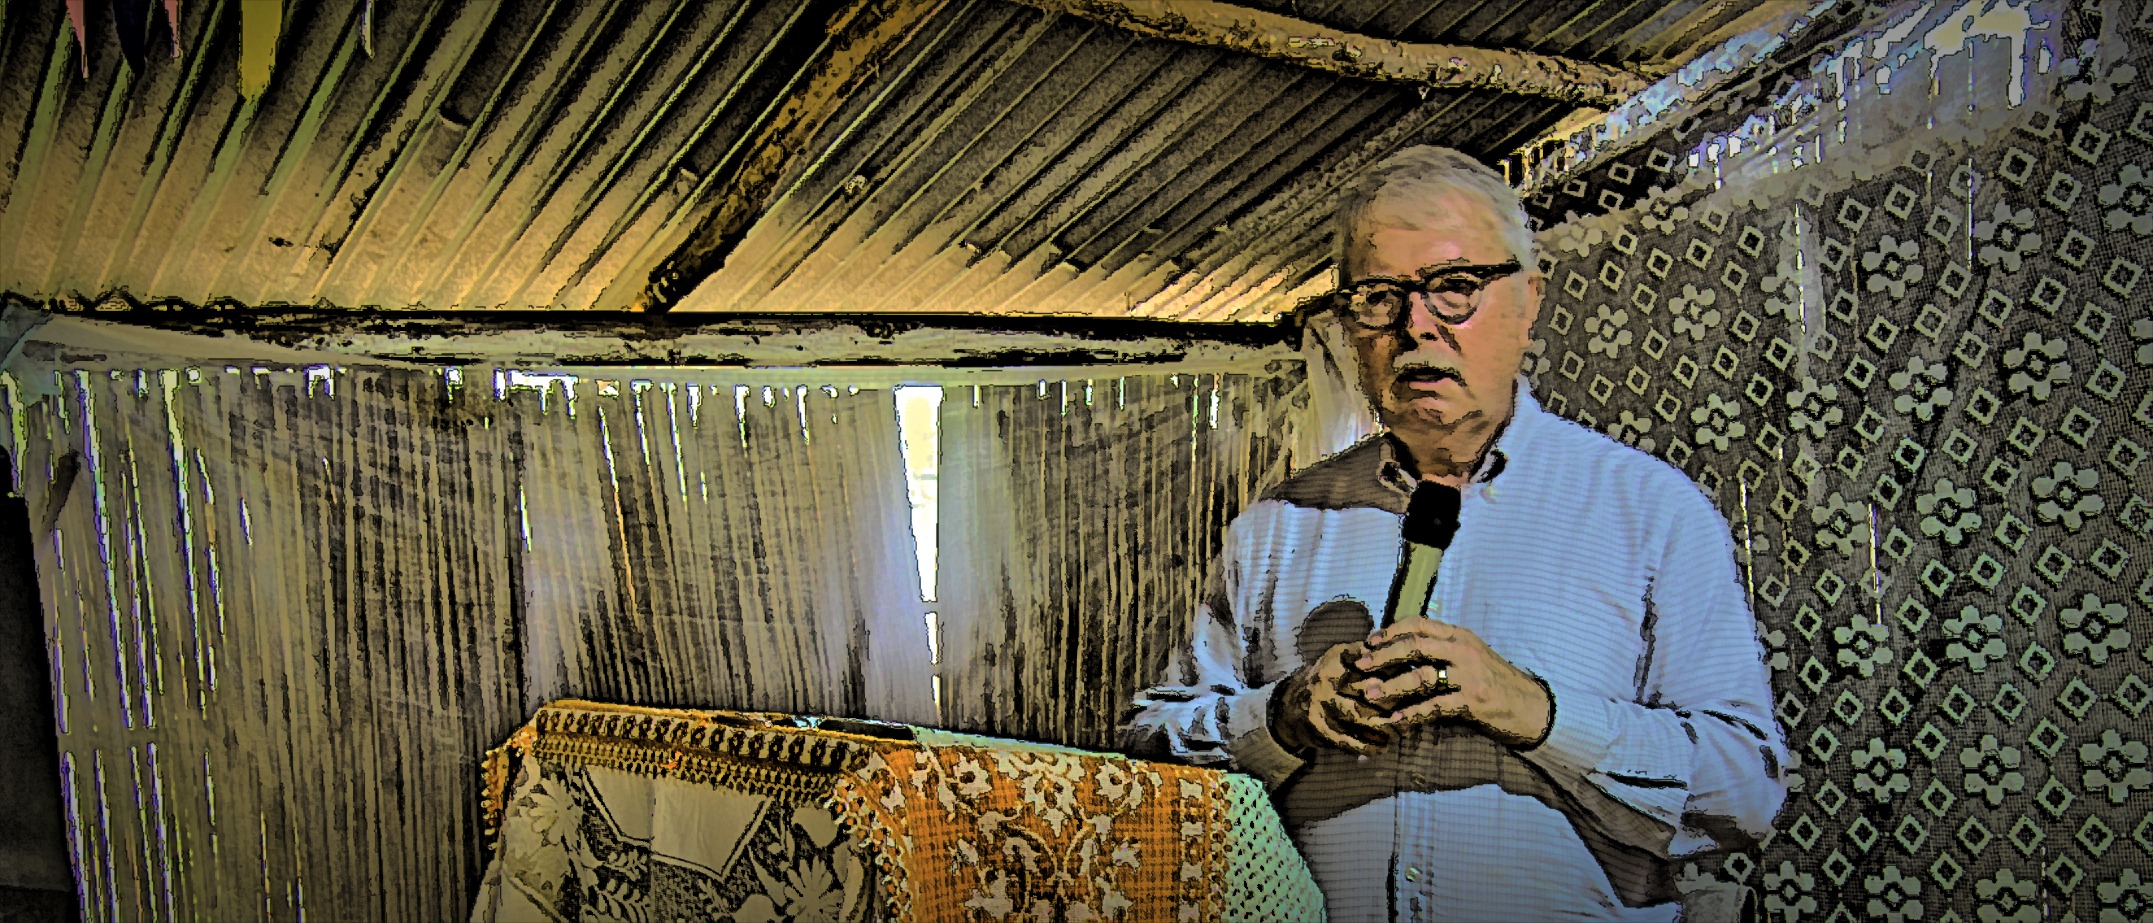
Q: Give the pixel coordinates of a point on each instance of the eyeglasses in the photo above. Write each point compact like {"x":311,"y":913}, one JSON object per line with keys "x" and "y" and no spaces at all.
{"x":1452,"y":295}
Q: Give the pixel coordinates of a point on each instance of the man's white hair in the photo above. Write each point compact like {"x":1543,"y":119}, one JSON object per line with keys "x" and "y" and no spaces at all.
{"x":1413,"y":179}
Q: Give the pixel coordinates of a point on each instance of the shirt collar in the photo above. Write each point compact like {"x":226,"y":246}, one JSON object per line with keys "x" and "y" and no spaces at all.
{"x":1524,"y":413}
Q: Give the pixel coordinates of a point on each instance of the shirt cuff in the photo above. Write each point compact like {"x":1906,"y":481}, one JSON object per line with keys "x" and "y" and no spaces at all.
{"x":1256,"y":750}
{"x":1589,"y":742}
{"x":1581,"y":731}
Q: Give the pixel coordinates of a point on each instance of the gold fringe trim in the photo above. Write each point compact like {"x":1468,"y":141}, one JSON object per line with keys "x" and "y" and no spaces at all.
{"x":746,"y":751}
{"x":495,"y":770}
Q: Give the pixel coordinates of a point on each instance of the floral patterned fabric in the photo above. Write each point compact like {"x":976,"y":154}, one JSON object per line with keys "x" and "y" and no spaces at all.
{"x":606,"y":812}
{"x":978,"y":833}
{"x":1887,"y":305}
{"x":589,"y":843}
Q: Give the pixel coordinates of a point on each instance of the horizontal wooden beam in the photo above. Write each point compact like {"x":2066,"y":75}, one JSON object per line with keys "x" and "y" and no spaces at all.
{"x":589,"y":338}
{"x":1283,"y":38}
{"x":1729,"y":55}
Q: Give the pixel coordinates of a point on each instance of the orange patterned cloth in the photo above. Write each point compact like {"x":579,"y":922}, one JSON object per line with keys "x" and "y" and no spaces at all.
{"x":691,"y":815}
{"x":980,"y":833}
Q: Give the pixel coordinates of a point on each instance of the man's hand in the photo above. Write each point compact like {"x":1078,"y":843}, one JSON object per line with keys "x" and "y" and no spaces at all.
{"x":1444,"y":671}
{"x":1318,"y":706}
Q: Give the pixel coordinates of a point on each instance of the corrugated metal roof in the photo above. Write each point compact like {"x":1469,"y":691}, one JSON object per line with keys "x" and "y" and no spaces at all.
{"x":550,"y":154}
{"x":1606,"y":31}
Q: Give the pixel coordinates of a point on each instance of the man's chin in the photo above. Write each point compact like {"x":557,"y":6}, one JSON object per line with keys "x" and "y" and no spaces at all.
{"x":1424,"y":410}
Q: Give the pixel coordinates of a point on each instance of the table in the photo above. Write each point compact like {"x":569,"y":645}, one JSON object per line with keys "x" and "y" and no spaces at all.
{"x":612,"y":812}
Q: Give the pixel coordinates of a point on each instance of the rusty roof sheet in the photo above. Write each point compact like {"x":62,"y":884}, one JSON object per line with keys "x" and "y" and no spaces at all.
{"x":544,"y":154}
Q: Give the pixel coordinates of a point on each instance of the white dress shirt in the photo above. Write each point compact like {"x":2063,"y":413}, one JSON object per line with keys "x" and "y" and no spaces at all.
{"x":1595,"y":567}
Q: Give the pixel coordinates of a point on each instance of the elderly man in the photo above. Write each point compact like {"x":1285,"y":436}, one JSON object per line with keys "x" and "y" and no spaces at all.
{"x":1581,"y":706}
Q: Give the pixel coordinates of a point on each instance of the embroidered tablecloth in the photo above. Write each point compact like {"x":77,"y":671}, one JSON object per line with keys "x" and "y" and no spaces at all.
{"x":606,"y":812}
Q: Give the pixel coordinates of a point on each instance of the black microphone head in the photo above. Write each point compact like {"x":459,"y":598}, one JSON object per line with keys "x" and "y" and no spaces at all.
{"x":1431,"y":517}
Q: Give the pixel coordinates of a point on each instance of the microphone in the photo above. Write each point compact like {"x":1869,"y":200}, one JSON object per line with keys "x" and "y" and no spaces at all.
{"x":1431,"y":521}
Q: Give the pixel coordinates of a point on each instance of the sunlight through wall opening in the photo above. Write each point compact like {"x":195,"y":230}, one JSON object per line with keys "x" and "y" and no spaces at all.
{"x":918,"y":409}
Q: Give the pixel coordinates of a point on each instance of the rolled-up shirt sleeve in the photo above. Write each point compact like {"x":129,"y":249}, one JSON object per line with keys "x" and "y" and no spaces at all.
{"x":1211,"y":709}
{"x":1695,"y":762}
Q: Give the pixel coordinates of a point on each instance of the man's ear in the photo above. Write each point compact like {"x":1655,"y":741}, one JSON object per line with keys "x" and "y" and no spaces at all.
{"x":1535,"y":285}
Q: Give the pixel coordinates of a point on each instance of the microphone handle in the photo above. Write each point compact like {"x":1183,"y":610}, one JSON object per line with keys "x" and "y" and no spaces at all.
{"x":1414,"y":583}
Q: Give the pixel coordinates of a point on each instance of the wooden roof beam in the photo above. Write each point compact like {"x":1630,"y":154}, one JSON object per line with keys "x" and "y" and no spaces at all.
{"x":1723,"y":58}
{"x":946,"y":347}
{"x":862,"y":37}
{"x":1277,"y":37}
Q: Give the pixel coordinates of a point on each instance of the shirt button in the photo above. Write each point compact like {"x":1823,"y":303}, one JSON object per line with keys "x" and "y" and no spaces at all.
{"x":1412,"y":874}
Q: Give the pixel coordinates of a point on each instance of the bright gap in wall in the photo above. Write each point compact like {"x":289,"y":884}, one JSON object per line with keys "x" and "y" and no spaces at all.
{"x":919,"y":408}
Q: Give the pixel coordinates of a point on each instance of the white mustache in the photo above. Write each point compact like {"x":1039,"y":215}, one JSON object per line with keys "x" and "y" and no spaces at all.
{"x":1406,"y":366}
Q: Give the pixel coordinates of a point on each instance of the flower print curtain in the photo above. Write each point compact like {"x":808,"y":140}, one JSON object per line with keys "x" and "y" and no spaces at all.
{"x":1886,"y":306}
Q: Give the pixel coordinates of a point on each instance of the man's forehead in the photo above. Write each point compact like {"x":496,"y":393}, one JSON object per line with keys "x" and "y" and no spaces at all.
{"x":1423,"y":247}
{"x":1447,"y":209}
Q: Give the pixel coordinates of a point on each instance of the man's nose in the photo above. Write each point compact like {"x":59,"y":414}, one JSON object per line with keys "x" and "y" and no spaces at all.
{"x":1420,"y":320}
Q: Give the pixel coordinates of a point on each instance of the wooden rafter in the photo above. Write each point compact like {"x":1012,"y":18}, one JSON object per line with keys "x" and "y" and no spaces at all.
{"x":977,"y":344}
{"x":1284,"y":38}
{"x":863,"y":36}
{"x":1727,"y":55}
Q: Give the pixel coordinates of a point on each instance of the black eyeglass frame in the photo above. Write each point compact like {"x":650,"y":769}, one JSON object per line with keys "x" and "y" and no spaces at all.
{"x":1354,"y":302}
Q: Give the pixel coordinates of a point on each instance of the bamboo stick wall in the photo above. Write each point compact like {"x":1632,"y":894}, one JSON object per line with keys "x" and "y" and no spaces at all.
{"x":288,"y":606}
